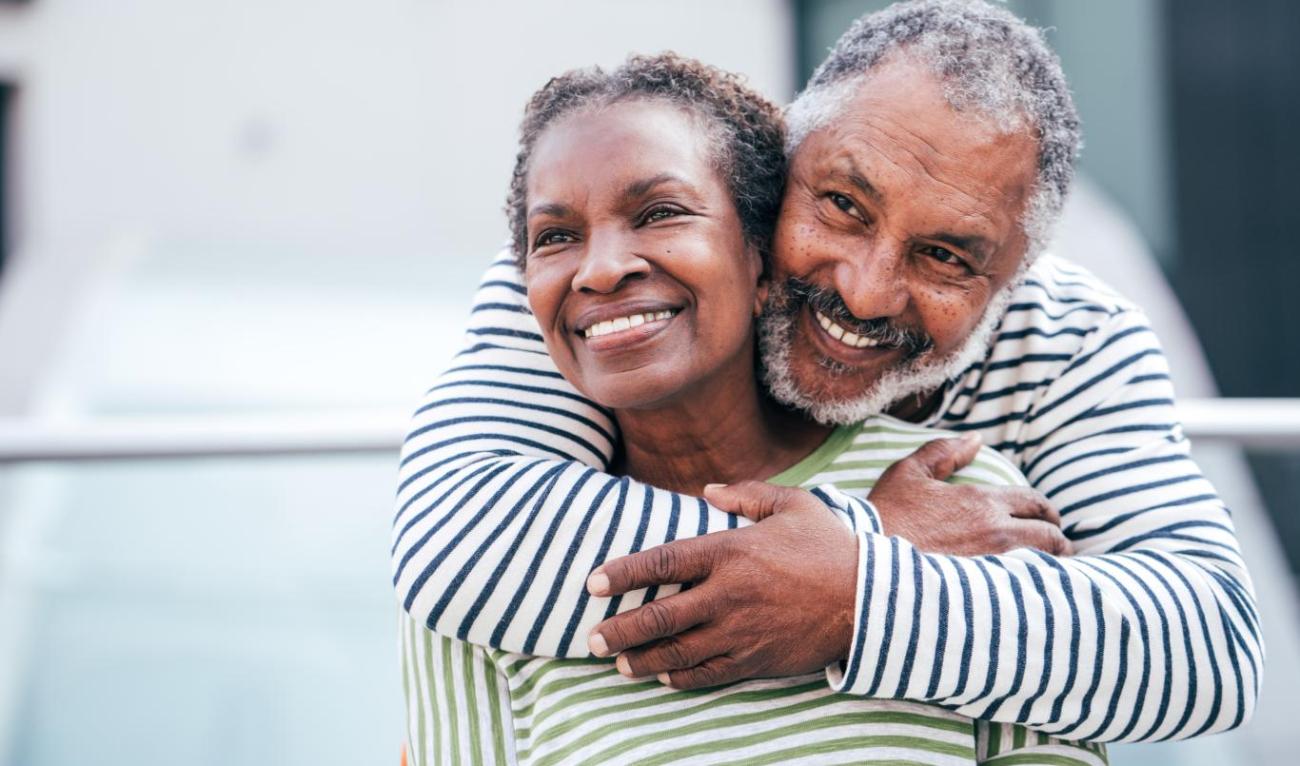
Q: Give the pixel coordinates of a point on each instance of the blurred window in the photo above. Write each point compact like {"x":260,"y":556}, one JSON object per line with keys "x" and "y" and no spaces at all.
{"x":6,"y":99}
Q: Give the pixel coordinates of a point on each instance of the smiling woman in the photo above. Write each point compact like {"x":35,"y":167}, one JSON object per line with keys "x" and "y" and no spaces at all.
{"x":639,"y":262}
{"x":645,"y":267}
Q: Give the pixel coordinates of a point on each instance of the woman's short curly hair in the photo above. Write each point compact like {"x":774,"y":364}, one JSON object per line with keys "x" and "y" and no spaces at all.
{"x":745,"y":130}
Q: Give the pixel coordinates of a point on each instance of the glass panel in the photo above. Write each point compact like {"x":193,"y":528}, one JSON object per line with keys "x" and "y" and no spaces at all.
{"x":202,"y":612}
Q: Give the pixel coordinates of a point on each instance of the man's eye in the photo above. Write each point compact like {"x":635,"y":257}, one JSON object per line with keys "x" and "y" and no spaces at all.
{"x":846,"y":205}
{"x":552,"y":237}
{"x":942,"y":255}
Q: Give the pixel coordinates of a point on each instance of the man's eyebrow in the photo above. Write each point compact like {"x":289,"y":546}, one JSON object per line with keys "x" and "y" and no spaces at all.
{"x":847,"y":169}
{"x":859,"y":180}
{"x":646,"y":185}
{"x":554,"y":209}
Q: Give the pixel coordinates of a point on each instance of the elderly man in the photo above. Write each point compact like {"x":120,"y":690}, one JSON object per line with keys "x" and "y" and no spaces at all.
{"x":929,"y":158}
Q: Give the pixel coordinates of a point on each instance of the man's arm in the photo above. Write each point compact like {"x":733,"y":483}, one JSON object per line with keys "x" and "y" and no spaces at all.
{"x":1150,"y":633}
{"x":503,"y":507}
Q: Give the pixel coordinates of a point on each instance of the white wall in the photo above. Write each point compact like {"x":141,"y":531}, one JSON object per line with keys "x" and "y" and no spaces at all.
{"x":322,"y":145}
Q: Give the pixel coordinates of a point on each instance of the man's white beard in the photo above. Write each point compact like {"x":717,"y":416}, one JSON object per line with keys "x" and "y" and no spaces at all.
{"x":920,"y":374}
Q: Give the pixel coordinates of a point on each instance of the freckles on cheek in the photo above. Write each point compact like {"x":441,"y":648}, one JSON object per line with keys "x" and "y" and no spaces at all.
{"x":949,"y":317}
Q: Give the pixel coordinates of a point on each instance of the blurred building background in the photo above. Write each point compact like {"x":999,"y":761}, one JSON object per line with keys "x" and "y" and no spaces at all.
{"x":280,"y":208}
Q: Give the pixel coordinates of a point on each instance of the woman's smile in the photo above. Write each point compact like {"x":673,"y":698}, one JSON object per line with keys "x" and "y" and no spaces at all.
{"x":625,"y":330}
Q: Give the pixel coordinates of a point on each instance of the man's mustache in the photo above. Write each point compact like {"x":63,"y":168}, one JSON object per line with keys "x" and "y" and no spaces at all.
{"x":795,"y":293}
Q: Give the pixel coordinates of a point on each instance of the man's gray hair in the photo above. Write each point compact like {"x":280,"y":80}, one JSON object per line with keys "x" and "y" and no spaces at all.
{"x":989,"y":62}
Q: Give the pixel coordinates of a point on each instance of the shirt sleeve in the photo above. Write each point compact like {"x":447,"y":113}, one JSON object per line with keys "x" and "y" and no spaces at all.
{"x":1150,"y":632}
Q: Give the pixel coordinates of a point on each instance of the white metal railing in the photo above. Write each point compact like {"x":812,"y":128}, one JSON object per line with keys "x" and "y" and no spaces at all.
{"x":1272,"y":424}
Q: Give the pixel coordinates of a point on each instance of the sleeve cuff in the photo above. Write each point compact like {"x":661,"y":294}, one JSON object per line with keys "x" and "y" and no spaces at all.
{"x":846,"y":675}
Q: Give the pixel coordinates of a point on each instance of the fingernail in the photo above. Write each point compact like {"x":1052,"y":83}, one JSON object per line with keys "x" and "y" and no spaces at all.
{"x":664,"y":679}
{"x":598,"y":583}
{"x":708,"y":487}
{"x":971,"y":437}
{"x":623,"y":665}
{"x":596,"y":643}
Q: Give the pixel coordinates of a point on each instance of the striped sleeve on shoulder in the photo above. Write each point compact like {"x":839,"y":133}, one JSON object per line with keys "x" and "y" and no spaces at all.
{"x":503,"y":506}
{"x":1149,"y":633}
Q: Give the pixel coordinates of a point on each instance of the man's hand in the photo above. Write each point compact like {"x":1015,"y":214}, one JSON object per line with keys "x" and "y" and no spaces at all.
{"x":773,"y":599}
{"x":916,"y":503}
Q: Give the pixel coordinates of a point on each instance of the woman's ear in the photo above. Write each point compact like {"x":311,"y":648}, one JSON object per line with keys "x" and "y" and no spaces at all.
{"x":760,"y":295}
{"x":762,"y":280}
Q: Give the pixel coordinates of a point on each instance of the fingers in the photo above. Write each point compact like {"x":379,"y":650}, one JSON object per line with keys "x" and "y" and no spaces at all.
{"x":662,"y":618}
{"x":755,"y":500}
{"x":1029,"y":503}
{"x":680,"y":561}
{"x":714,"y":671}
{"x":685,"y":650}
{"x":942,"y":458}
{"x":1043,"y":535}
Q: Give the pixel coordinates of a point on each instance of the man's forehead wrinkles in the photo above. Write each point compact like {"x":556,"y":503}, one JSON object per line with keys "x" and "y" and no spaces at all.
{"x":862,"y":157}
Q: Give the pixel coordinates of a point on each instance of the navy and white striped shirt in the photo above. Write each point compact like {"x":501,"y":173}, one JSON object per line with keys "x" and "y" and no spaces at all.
{"x":1150,"y":632}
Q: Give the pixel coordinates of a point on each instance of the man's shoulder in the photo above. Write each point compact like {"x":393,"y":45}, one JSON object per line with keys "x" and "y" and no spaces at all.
{"x":1054,"y":285}
{"x":1059,"y":320}
{"x":1057,"y":310}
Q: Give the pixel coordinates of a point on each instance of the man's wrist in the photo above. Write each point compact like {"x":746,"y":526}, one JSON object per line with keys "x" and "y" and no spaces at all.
{"x":842,"y":674}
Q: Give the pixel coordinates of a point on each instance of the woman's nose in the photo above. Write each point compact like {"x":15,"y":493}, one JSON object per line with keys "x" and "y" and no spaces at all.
{"x":610,"y":260}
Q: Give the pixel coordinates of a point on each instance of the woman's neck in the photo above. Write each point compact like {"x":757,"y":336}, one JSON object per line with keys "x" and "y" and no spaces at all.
{"x":723,"y":431}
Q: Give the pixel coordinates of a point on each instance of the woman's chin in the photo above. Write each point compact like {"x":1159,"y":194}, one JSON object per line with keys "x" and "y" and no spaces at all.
{"x":636,"y":390}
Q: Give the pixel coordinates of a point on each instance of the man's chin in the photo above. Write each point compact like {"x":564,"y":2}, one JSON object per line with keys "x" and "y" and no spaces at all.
{"x":827,"y":379}
{"x":829,"y":391}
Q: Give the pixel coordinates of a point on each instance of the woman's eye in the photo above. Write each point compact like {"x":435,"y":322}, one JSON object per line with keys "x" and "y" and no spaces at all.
{"x":846,"y":205}
{"x":659,"y":214}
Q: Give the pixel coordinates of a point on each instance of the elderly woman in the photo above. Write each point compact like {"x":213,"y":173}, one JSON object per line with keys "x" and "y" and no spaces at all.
{"x":641,"y":208}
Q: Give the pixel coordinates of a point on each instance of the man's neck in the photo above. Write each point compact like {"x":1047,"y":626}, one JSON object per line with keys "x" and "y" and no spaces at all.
{"x":918,"y":407}
{"x":721,"y":432}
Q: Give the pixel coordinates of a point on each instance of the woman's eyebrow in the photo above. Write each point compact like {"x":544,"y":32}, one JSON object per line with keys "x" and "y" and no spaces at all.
{"x":640,"y":188}
{"x":553,"y":209}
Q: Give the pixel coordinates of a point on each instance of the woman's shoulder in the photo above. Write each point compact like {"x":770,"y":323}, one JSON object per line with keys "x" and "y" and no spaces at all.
{"x":888,"y":438}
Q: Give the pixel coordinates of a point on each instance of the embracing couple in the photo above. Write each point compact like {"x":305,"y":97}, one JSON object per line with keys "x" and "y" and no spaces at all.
{"x":778,"y":438}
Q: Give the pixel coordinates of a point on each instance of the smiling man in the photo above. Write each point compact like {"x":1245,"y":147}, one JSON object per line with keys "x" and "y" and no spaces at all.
{"x":929,"y":158}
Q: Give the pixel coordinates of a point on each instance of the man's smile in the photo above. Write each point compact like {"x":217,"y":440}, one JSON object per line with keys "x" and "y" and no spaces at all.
{"x":834,"y":341}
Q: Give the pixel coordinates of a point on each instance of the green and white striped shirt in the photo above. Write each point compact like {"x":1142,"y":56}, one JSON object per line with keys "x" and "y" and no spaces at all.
{"x":471,"y":704}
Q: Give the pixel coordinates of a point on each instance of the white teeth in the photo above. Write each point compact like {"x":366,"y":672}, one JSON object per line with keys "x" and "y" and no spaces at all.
{"x":625,"y":323}
{"x":843,"y":336}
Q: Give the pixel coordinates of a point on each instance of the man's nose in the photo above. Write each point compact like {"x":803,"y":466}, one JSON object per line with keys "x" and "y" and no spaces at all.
{"x":873,"y":283}
{"x":609,"y":261}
